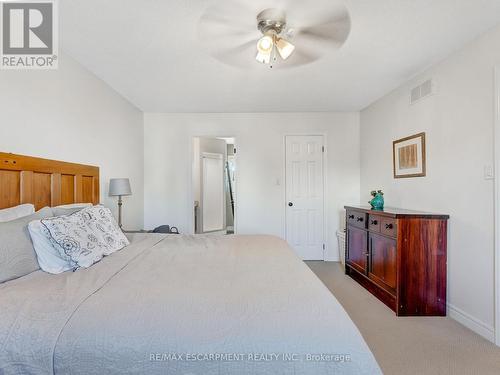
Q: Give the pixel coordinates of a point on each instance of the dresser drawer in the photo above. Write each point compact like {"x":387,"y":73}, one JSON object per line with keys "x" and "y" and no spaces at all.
{"x":357,"y":219}
{"x":388,"y":226}
{"x":374,"y":223}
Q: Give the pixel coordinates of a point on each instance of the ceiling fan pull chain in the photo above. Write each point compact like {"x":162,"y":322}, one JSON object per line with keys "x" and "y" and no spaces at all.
{"x":273,"y":58}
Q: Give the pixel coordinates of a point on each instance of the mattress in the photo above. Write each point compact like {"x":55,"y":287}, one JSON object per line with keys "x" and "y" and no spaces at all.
{"x":171,"y":304}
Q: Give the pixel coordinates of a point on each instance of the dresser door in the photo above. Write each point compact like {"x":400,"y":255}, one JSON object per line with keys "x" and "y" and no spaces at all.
{"x":383,"y":263}
{"x":357,"y":248}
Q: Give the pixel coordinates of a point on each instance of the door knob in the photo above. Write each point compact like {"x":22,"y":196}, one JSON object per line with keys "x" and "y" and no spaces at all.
{"x":290,"y":204}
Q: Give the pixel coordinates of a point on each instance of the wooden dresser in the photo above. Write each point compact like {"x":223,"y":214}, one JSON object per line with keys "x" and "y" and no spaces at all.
{"x":400,"y":257}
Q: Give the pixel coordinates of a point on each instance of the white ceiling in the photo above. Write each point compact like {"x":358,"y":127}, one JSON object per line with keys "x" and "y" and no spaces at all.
{"x":149,"y":52}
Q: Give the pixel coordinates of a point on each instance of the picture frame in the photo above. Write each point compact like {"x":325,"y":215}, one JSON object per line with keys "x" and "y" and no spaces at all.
{"x":408,"y":156}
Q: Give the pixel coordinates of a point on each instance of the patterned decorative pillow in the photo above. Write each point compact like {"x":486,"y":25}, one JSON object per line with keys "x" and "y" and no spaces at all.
{"x":86,"y":235}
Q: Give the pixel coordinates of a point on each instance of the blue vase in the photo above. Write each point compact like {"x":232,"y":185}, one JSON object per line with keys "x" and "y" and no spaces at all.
{"x":377,"y":202}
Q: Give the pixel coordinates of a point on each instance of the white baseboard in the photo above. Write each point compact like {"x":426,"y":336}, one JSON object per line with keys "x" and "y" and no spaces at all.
{"x":475,"y":325}
{"x":331,"y":258}
{"x":215,"y":233}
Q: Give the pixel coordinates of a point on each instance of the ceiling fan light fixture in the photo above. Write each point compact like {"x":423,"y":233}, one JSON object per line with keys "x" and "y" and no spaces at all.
{"x":264,"y":58}
{"x":285,"y":48}
{"x":272,"y":23}
{"x":265,"y":44}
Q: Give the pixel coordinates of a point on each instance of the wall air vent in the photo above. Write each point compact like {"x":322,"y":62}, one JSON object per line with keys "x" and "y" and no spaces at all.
{"x":422,"y":91}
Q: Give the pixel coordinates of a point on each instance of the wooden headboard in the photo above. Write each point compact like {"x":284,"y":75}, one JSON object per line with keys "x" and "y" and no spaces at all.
{"x":43,"y":182}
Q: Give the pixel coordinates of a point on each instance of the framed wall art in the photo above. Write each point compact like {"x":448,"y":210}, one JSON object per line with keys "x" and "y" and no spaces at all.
{"x":408,"y":156}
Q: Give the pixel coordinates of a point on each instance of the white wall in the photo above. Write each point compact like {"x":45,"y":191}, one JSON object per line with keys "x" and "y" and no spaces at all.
{"x":260,"y":163}
{"x":68,"y":114}
{"x":458,"y":121}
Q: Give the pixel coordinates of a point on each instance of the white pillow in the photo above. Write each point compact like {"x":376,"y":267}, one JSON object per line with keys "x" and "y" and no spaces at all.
{"x":13,"y":213}
{"x":86,"y":236}
{"x":49,"y":259}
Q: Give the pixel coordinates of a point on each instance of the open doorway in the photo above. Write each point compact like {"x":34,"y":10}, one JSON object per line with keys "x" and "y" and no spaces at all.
{"x":214,"y":185}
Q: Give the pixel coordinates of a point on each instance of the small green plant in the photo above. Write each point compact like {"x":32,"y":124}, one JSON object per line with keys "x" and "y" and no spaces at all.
{"x":373,"y":193}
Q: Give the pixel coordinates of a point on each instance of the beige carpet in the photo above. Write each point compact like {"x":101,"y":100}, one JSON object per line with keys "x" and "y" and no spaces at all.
{"x":409,"y":345}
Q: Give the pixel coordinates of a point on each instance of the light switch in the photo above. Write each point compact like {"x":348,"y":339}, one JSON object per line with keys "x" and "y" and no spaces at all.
{"x":489,"y":173}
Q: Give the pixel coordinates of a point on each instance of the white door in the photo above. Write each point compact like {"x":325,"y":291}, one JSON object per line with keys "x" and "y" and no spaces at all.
{"x":213,"y":194}
{"x":304,"y":195}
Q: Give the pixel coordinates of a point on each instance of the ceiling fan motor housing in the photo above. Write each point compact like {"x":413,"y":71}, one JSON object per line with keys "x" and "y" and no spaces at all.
{"x":271,"y":21}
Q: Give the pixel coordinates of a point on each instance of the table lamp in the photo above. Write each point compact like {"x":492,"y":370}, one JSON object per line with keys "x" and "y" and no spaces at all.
{"x":119,"y":187}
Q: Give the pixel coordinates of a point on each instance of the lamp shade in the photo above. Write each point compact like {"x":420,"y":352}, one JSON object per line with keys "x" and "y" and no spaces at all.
{"x":285,"y":48}
{"x":119,"y":186}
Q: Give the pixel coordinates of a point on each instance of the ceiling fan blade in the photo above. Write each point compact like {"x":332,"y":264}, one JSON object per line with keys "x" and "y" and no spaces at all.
{"x":226,"y":24}
{"x":233,"y":13}
{"x":301,"y":14}
{"x":214,"y":18}
{"x":213,"y":28}
{"x":230,"y":43}
{"x":333,"y":32}
{"x":301,"y":57}
{"x":245,"y":46}
{"x":240,"y":56}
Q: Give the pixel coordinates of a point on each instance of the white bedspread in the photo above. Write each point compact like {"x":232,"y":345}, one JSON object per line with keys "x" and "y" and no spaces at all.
{"x":181,"y":305}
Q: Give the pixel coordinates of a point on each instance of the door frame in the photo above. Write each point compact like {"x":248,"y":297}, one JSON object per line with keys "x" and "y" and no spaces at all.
{"x":190,"y":187}
{"x":325,"y":185}
{"x":496,"y":140}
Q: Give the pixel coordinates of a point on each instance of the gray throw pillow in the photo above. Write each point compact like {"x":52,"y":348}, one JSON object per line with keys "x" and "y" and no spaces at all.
{"x":69,"y":209}
{"x":65,"y":211}
{"x":17,"y":256}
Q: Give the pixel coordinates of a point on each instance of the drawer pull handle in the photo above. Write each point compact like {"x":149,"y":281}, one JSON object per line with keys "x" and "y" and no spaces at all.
{"x":374,"y":222}
{"x":351,"y":216}
{"x":359,"y":219}
{"x":388,"y":226}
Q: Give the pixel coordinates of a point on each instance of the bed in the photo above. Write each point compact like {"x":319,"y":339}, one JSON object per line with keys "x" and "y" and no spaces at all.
{"x":170,"y":304}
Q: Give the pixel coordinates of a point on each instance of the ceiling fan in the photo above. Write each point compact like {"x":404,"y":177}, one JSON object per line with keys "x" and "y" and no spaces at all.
{"x":271,"y":23}
{"x":277,"y":33}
